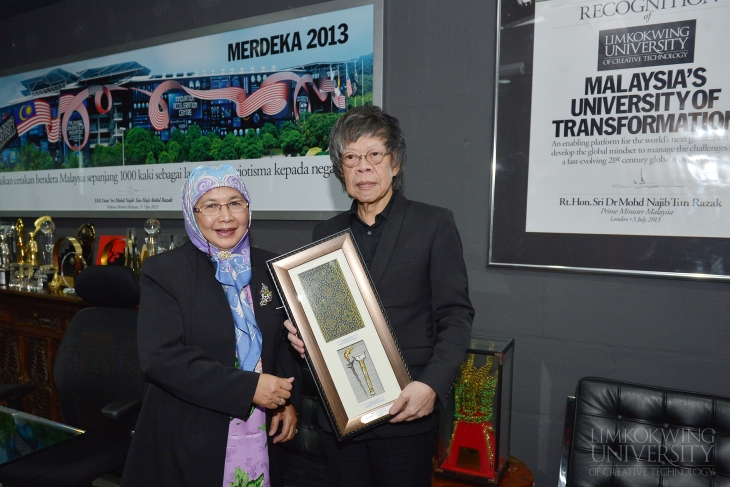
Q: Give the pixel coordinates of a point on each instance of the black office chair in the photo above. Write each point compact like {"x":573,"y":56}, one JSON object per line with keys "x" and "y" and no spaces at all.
{"x":99,"y":383}
{"x":305,"y":461}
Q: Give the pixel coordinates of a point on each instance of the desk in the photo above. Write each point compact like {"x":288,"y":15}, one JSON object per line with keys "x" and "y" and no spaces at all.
{"x":36,"y":452}
{"x":517,"y":475}
{"x":31,"y":327}
{"x":22,"y":434}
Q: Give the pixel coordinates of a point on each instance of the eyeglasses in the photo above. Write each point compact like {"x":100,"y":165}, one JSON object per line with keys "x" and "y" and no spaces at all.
{"x":212,"y":209}
{"x":374,"y":156}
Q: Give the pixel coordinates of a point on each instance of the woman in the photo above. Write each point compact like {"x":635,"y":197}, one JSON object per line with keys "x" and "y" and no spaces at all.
{"x":211,"y":342}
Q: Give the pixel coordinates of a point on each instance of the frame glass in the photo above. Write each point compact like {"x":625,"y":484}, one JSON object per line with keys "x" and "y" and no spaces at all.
{"x":352,"y":351}
{"x":621,"y":200}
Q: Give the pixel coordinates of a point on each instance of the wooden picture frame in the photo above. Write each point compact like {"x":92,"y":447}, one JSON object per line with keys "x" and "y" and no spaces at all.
{"x":351,"y":349}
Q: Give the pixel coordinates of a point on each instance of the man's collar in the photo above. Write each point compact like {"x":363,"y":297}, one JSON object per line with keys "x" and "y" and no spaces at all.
{"x":384,"y":213}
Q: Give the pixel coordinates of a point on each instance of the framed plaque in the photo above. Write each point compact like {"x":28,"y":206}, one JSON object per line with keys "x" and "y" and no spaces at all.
{"x":599,"y":165}
{"x":351,"y":348}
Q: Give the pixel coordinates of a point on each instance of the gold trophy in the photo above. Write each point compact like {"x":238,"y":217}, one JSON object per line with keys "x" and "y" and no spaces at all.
{"x":19,"y":229}
{"x":31,"y":256}
{"x":32,"y":250}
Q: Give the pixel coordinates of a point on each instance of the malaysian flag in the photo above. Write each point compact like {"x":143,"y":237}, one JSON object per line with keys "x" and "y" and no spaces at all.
{"x":54,"y":131}
{"x":347,"y":82}
{"x":32,"y":113}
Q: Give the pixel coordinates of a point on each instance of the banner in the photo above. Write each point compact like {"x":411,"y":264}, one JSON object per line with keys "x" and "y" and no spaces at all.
{"x":630,"y":115}
{"x":118,"y":134}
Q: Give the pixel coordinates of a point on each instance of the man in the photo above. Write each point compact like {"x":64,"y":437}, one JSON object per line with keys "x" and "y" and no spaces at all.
{"x":414,"y":255}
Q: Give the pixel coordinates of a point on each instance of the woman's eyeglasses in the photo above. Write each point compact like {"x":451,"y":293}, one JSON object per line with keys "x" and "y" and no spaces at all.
{"x":374,"y":156}
{"x":212,"y":209}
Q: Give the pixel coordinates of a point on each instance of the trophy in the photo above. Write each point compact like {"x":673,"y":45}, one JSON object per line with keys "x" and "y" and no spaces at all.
{"x":4,"y":259}
{"x":68,"y":261}
{"x":131,"y":254}
{"x":4,"y":251}
{"x":77,"y":263}
{"x":20,"y":245}
{"x":47,"y":228}
{"x":152,"y":228}
{"x":86,"y":237}
{"x":31,"y":256}
{"x":31,"y":249}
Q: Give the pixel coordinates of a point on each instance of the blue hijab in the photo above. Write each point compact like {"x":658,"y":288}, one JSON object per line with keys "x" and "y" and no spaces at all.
{"x":232,"y":267}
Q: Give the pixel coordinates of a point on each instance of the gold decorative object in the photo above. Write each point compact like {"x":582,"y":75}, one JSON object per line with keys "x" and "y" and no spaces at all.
{"x":266,"y":295}
{"x":474,"y":428}
{"x":331,"y":300}
{"x":86,"y":237}
{"x":19,"y":230}
{"x":351,"y":365}
{"x":131,"y":254}
{"x":31,"y":249}
{"x":361,"y":358}
{"x":57,"y":282}
{"x":474,"y":394}
{"x":224,"y":255}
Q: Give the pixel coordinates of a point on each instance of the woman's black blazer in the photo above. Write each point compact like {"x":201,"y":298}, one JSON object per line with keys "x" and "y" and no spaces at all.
{"x":186,"y":342}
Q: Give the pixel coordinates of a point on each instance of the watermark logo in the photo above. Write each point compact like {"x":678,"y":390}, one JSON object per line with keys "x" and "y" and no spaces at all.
{"x":674,"y":451}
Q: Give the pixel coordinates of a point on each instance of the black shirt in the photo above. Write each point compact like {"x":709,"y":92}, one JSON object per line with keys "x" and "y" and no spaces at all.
{"x":367,"y":236}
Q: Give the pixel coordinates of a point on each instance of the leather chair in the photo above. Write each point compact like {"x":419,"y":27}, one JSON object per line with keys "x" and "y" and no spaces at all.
{"x":99,"y":383}
{"x":623,"y":434}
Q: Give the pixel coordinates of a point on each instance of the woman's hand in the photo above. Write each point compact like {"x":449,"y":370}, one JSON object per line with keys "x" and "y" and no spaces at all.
{"x":271,"y":391}
{"x":287,"y":416}
{"x":294,"y":339}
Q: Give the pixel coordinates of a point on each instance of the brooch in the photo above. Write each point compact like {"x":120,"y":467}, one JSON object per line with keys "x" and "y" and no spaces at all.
{"x":224,"y":255}
{"x":265,"y":295}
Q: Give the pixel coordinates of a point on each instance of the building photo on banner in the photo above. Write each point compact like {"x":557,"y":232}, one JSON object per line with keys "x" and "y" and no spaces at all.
{"x":118,"y":134}
{"x":628,"y":136}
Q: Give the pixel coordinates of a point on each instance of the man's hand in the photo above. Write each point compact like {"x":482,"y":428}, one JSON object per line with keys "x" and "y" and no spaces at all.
{"x":286,"y":415}
{"x":415,"y":401}
{"x":294,"y":339}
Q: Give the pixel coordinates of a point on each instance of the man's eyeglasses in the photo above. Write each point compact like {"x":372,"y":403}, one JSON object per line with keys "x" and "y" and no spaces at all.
{"x":374,"y":156}
{"x":212,"y":209}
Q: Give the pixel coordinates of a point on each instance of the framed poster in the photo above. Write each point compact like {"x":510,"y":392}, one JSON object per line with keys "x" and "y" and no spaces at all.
{"x":612,"y":150}
{"x":116,"y":134}
{"x":351,"y":349}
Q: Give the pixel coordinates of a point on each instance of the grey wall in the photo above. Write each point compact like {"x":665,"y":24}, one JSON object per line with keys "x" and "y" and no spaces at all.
{"x":438,"y":80}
